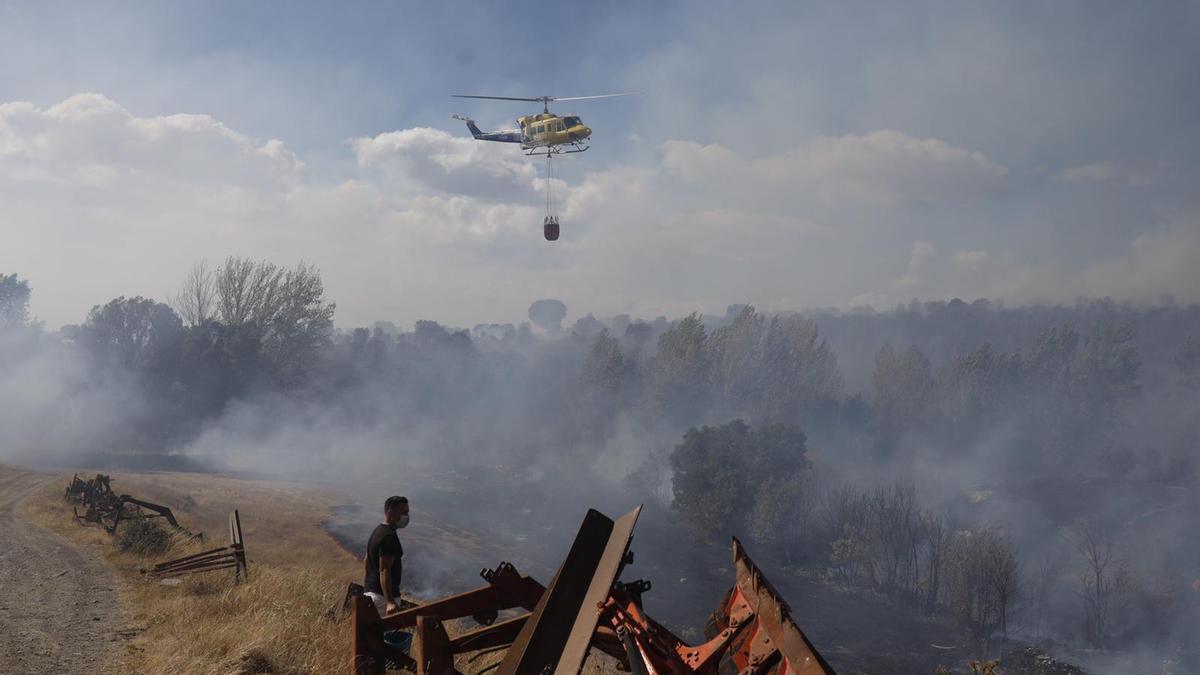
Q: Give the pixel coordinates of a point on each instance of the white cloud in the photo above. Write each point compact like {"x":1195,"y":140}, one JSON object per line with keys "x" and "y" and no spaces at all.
{"x":96,"y":202}
{"x":843,"y":175}
{"x":1104,"y":172}
{"x":1088,"y":173}
{"x":92,"y":140}
{"x":433,"y":159}
{"x":1157,"y":263}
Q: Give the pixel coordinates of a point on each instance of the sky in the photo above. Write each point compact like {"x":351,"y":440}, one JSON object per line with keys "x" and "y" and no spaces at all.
{"x":793,"y":155}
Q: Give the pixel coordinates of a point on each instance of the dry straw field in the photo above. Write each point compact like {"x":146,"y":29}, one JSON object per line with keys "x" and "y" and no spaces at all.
{"x":277,"y":622}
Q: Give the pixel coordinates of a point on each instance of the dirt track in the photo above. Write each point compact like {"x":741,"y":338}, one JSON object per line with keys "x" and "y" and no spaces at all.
{"x":58,"y":604}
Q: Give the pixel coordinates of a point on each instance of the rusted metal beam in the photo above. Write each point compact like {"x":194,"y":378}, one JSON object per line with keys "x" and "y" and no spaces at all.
{"x":185,"y":558}
{"x":540,"y":643}
{"x":453,"y":607}
{"x":368,"y":652}
{"x":506,"y":589}
{"x":163,"y":511}
{"x":198,"y":567}
{"x":431,"y":647}
{"x":238,"y":544}
{"x":611,"y":563}
{"x":498,"y":634}
{"x":195,"y":571}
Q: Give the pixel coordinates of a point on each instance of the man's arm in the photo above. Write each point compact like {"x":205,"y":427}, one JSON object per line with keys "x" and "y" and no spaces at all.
{"x":385,"y":581}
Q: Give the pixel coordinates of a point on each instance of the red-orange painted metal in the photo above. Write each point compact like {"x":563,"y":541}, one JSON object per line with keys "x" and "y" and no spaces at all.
{"x":586,"y":607}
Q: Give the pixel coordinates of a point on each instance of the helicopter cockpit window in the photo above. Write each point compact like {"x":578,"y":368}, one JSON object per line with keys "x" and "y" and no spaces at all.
{"x":571,"y":121}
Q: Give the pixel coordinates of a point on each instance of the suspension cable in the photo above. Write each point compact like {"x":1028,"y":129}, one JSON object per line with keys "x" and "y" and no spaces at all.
{"x":549,"y":185}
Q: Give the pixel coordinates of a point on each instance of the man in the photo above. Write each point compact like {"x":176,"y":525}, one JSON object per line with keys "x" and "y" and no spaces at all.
{"x":383,"y":564}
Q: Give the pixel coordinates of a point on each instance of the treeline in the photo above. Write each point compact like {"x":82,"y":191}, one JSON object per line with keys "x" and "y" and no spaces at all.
{"x":247,"y":328}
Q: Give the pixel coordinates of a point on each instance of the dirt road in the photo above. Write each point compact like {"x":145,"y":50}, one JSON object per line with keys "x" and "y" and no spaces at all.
{"x":58,"y":604}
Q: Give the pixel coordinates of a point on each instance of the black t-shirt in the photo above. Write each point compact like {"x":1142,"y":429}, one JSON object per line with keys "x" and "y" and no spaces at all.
{"x":383,"y":542}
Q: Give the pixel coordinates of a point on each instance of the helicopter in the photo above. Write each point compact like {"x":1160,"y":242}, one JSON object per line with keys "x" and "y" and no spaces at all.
{"x":542,"y":134}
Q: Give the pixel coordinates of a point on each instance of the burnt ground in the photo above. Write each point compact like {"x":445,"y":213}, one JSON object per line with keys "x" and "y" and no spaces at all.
{"x":58,"y":603}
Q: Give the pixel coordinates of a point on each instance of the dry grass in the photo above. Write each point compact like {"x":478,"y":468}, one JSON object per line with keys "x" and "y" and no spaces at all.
{"x":276,"y":622}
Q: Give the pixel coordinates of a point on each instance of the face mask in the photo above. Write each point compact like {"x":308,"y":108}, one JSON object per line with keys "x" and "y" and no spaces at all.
{"x":402,"y":521}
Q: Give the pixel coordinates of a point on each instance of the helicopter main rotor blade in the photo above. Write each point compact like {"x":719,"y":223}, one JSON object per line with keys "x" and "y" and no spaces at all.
{"x":583,"y":98}
{"x":502,"y":98}
{"x":546,"y":99}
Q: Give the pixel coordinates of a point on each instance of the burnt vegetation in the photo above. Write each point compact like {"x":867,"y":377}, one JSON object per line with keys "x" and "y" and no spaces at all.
{"x":1028,"y":472}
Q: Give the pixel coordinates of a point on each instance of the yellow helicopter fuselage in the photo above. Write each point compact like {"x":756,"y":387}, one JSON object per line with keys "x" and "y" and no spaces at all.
{"x":547,"y":129}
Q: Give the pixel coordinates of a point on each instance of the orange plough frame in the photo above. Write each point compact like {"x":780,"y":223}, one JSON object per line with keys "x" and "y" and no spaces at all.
{"x":586,"y":607}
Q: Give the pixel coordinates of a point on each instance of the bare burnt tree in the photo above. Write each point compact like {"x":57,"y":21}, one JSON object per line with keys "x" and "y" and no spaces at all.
{"x":1003,"y":576}
{"x":1103,"y":581}
{"x":936,"y":544}
{"x":896,"y":533}
{"x":196,"y":299}
{"x":846,"y":518}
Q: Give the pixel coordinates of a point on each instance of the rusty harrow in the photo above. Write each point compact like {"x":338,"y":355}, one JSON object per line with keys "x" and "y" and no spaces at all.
{"x":586,"y":607}
{"x":106,"y":508}
{"x":232,"y":557}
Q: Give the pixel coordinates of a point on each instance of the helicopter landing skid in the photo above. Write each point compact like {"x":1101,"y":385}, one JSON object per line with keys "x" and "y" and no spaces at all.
{"x":556,"y":150}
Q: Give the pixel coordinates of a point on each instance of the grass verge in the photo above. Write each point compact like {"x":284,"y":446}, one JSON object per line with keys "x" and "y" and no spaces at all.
{"x":276,"y":622}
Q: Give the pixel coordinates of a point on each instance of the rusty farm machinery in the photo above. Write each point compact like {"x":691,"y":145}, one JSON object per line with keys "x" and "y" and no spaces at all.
{"x":106,"y":508}
{"x":585,"y":607}
{"x":232,"y":557}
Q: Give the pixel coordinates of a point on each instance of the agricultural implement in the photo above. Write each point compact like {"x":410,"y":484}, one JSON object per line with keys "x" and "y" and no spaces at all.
{"x":232,"y":557}
{"x":586,"y":607}
{"x":103,"y":506}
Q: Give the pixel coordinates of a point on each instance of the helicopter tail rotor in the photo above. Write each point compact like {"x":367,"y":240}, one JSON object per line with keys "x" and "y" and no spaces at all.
{"x":470,"y":124}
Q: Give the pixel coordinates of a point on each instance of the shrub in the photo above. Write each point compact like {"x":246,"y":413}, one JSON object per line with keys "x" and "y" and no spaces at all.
{"x":143,"y":536}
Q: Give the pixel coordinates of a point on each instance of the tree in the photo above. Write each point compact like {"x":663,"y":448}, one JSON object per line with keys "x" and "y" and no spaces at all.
{"x":708,"y":477}
{"x":680,"y":374}
{"x":197,"y":296}
{"x":283,"y":309}
{"x":971,"y":596}
{"x":14,"y":301}
{"x":1105,"y":372}
{"x":548,"y":314}
{"x":606,"y":371}
{"x":782,"y":517}
{"x":799,"y":369}
{"x":1104,"y":581}
{"x":981,"y":382}
{"x":587,"y":326}
{"x":300,"y":326}
{"x":1003,"y":576}
{"x":720,"y":471}
{"x":1188,"y":362}
{"x":937,"y":540}
{"x":247,"y":292}
{"x":736,"y":359}
{"x":140,"y":335}
{"x":902,"y":389}
{"x":895,"y":530}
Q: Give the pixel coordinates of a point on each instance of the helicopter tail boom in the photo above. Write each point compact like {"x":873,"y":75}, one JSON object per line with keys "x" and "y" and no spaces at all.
{"x":499,"y":136}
